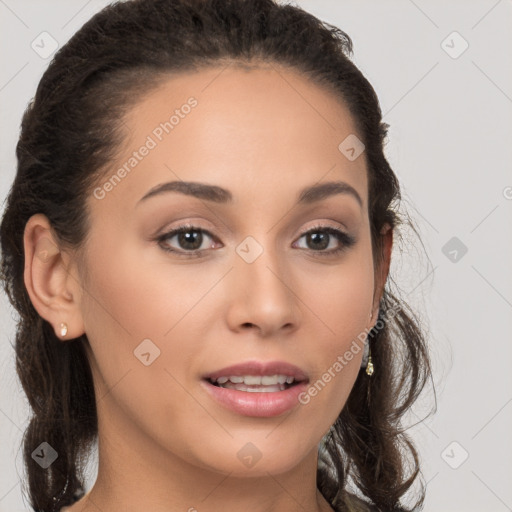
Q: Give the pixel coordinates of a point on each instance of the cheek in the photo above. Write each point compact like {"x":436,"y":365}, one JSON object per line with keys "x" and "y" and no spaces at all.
{"x":132,"y":293}
{"x":343,"y":310}
{"x":130,"y":299}
{"x":344,"y":301}
{"x":129,"y":311}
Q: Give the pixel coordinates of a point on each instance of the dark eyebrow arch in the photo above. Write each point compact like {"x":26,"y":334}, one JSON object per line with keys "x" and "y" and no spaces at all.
{"x":192,"y":188}
{"x":324,"y":190}
{"x":220,"y":195}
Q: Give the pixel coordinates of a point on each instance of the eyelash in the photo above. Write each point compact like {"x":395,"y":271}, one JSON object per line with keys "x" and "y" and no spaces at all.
{"x":346,"y":240}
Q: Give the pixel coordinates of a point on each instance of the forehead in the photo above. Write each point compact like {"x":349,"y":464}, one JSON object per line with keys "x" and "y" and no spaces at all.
{"x":236,"y":127}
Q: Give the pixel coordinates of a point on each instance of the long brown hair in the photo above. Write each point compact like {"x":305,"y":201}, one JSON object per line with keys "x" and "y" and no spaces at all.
{"x":70,"y":132}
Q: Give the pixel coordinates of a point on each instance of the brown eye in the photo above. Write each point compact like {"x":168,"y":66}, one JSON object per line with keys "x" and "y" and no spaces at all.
{"x":189,"y":240}
{"x":319,"y":238}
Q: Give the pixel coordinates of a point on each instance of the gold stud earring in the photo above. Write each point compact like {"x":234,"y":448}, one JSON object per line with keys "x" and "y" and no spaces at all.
{"x":63,"y":329}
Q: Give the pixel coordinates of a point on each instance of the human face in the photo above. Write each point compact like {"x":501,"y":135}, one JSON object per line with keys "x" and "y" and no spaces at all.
{"x":263,"y":135}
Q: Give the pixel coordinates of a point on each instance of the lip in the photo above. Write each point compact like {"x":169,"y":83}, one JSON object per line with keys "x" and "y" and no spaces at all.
{"x":257,"y":404}
{"x":260,"y":368}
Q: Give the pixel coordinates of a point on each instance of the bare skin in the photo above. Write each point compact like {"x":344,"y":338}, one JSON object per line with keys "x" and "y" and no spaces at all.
{"x":164,"y":444}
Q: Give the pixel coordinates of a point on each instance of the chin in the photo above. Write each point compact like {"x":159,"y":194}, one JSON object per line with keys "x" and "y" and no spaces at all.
{"x":247,"y":460}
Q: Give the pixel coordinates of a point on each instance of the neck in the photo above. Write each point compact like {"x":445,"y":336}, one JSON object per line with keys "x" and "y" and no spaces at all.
{"x":135,"y":473}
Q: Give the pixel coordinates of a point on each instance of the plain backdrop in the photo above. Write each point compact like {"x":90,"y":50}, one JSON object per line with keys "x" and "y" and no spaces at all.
{"x":443,"y":74}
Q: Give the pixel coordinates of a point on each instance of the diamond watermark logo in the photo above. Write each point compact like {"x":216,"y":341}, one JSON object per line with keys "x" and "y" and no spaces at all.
{"x":146,"y":352}
{"x":454,"y":455}
{"x":249,"y":250}
{"x":45,"y":45}
{"x":454,"y":45}
{"x":454,"y":249}
{"x":44,"y":455}
{"x":351,"y":147}
{"x":249,"y":455}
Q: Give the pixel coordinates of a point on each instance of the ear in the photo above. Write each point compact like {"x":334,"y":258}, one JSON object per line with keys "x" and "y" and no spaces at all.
{"x":53,"y":289}
{"x":382,"y":269}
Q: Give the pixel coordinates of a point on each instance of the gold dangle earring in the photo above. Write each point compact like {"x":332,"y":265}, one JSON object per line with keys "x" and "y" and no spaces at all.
{"x":369,"y":365}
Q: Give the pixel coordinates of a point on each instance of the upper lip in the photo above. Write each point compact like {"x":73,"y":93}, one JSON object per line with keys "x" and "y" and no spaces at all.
{"x":260,"y":368}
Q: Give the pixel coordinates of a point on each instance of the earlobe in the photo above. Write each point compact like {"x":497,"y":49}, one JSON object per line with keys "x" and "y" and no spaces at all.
{"x":53,"y":291}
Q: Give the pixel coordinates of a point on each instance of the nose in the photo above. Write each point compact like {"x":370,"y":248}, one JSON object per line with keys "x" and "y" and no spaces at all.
{"x":263,"y":296}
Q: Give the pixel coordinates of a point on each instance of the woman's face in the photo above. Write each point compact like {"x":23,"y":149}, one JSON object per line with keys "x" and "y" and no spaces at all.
{"x":246,"y":285}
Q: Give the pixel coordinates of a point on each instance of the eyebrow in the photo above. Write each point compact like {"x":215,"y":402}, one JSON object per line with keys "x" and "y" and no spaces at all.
{"x":220,"y":195}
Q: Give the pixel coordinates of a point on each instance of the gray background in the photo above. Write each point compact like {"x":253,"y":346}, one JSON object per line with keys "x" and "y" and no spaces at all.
{"x":450,"y":143}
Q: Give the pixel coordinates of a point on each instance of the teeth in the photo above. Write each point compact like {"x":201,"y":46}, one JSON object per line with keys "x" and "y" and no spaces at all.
{"x":251,"y":380}
{"x":264,"y":389}
{"x":254,"y":389}
{"x":269,"y":380}
{"x":256,"y":380}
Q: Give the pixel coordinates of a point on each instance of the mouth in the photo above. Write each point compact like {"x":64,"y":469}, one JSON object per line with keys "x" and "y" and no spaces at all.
{"x":256,"y":383}
{"x":258,"y":389}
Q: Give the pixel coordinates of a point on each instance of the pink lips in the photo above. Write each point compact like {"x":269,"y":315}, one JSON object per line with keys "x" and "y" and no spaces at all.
{"x":257,"y":368}
{"x":258,"y":404}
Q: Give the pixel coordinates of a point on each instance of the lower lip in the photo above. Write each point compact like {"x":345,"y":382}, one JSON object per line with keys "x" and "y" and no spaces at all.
{"x":256,"y":404}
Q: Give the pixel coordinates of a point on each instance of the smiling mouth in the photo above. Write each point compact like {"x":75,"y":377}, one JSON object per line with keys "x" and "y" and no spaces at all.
{"x":255,"y":383}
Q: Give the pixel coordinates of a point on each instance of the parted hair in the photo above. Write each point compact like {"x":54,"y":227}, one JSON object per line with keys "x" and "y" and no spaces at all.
{"x":70,"y":132}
